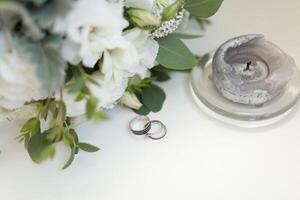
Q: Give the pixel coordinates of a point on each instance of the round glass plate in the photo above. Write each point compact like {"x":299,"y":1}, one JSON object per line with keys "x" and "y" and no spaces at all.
{"x":213,"y":103}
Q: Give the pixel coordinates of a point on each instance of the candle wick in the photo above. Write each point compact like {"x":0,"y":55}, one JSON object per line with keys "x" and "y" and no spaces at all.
{"x":248,"y":66}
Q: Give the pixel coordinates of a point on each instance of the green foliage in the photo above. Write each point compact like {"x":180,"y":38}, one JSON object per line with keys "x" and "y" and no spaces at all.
{"x":88,"y":147}
{"x":153,"y":98}
{"x":203,"y":8}
{"x":187,"y":36}
{"x":39,"y":148}
{"x":143,"y":111}
{"x":48,"y":65}
{"x":79,"y":84}
{"x":174,"y":54}
{"x":171,"y":10}
{"x":204,"y":59}
{"x":29,"y":129}
{"x":203,"y":23}
{"x":138,"y":87}
{"x":160,"y":74}
{"x":41,"y":145}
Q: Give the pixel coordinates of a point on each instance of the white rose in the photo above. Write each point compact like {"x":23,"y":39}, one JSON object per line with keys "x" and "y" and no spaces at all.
{"x":89,"y":28}
{"x":18,"y":83}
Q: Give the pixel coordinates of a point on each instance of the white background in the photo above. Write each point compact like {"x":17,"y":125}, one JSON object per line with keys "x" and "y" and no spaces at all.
{"x":199,"y":159}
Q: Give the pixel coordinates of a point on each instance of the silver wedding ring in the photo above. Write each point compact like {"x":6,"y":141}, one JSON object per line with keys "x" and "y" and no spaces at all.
{"x":140,"y":125}
{"x":153,"y":129}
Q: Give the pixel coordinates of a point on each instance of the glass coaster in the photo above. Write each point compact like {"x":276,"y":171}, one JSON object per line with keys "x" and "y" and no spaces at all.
{"x":214,"y":104}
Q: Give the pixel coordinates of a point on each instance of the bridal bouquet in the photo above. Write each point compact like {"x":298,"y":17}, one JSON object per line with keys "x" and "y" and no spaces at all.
{"x":65,"y":58}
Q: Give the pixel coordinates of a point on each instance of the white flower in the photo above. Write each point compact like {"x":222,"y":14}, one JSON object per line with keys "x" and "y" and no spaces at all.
{"x":132,"y":54}
{"x":149,"y":5}
{"x":89,"y":28}
{"x":18,"y":83}
{"x":143,"y":4}
{"x":147,"y":49}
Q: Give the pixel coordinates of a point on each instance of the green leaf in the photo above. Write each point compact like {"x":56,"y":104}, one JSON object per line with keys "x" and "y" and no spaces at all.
{"x":62,"y":111}
{"x":88,"y":147}
{"x":174,"y":54}
{"x":55,"y":134}
{"x":91,"y":107}
{"x":171,"y":10}
{"x":203,"y":8}
{"x":32,"y":126}
{"x":204,"y":59}
{"x":77,"y":83}
{"x":71,"y":159}
{"x":160,"y":74}
{"x":187,"y":36}
{"x":142,"y":111}
{"x":39,"y":148}
{"x":153,"y":98}
{"x":99,"y":115}
{"x":70,"y":138}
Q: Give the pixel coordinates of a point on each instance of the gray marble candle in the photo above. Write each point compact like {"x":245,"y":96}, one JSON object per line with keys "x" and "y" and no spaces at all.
{"x":251,"y":70}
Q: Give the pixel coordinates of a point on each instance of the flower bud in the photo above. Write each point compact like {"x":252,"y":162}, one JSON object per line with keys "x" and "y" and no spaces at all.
{"x":171,"y":10}
{"x":143,"y":19}
{"x":130,"y":100}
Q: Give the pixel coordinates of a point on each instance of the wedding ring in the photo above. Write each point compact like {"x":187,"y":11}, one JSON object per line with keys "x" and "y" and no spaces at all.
{"x":140,"y":125}
{"x":157,"y":130}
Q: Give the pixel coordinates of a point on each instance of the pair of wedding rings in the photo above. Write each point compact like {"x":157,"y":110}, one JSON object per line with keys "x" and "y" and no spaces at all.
{"x":153,"y":129}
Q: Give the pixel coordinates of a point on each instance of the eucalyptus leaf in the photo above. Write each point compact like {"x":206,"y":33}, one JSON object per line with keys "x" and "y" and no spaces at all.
{"x":160,"y":74}
{"x":71,"y":158}
{"x":88,"y":147}
{"x":174,"y":54}
{"x":91,"y":107}
{"x":187,"y":36}
{"x":142,"y":111}
{"x":77,"y":83}
{"x":39,"y":148}
{"x":32,"y":126}
{"x":153,"y":98}
{"x":203,"y":8}
{"x":204,"y":59}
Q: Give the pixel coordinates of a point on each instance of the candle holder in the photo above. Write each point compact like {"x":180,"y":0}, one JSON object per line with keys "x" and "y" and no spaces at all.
{"x":249,"y":82}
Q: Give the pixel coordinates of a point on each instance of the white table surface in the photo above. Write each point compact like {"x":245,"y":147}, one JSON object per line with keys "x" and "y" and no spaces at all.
{"x":199,"y":159}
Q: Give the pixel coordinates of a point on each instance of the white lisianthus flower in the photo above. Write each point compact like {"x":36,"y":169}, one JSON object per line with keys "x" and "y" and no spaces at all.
{"x":147,"y":49}
{"x":143,"y":4}
{"x":132,"y":54}
{"x":115,"y":69}
{"x":89,"y":28}
{"x":18,"y":82}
